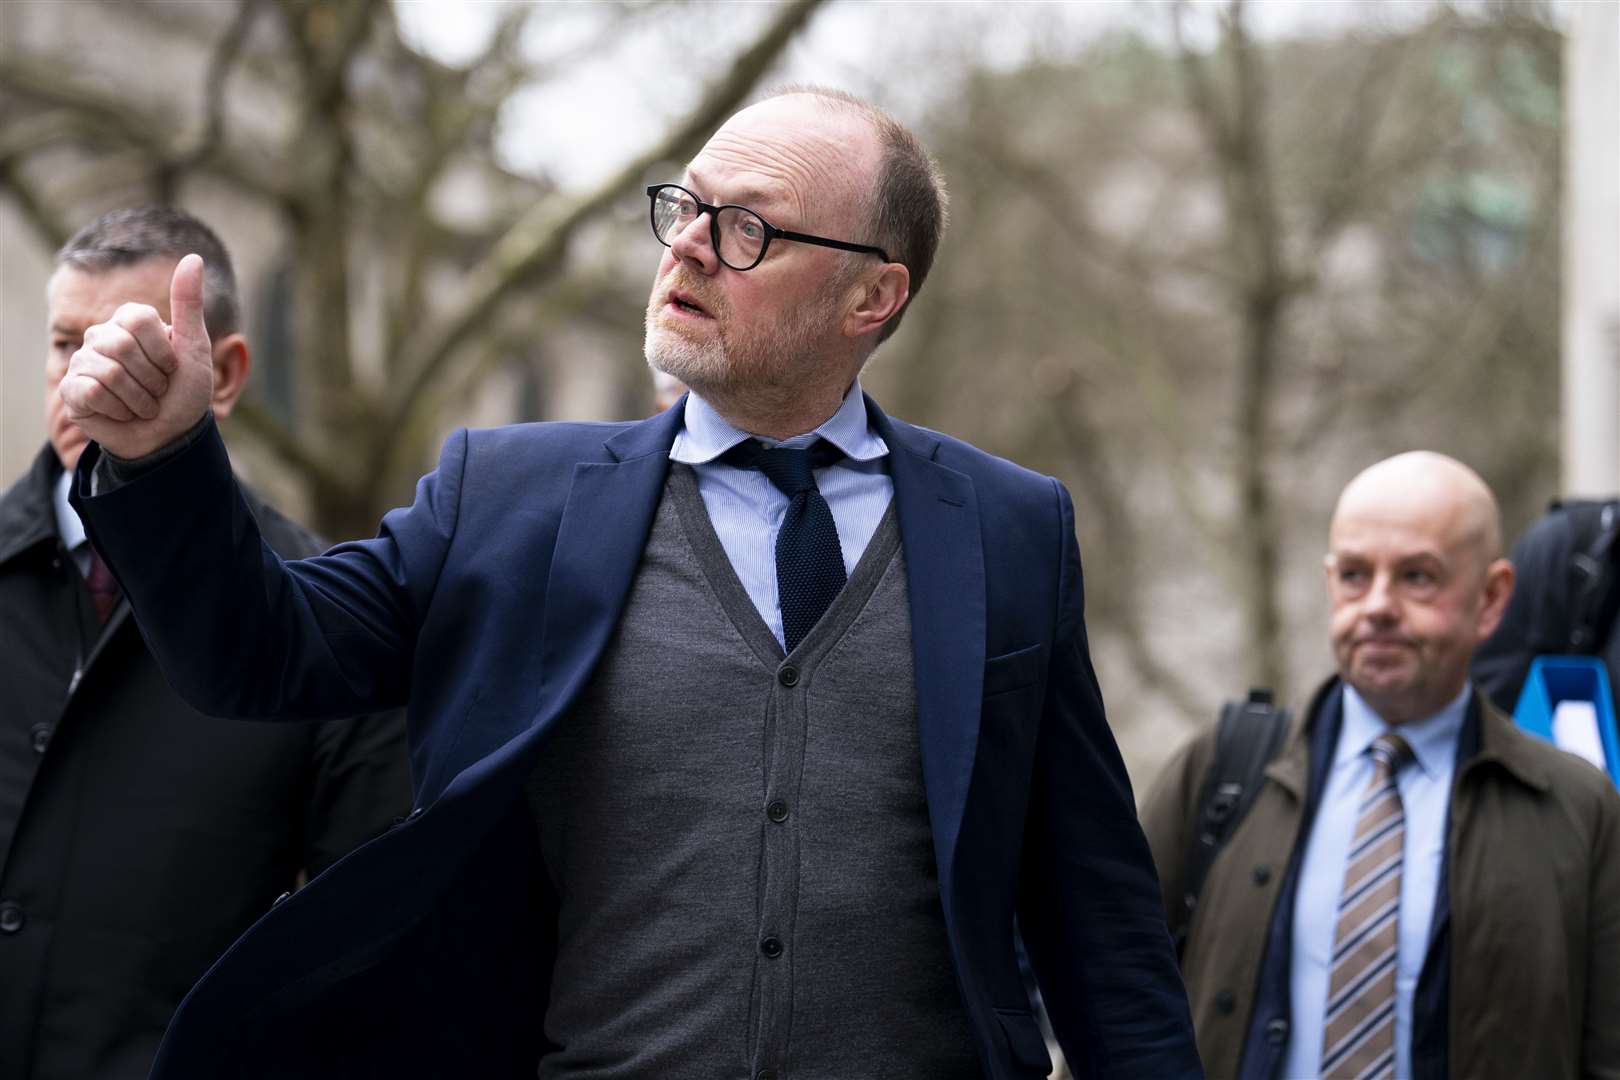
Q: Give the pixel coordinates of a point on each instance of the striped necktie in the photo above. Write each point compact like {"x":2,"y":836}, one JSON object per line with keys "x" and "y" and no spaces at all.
{"x":1358,"y":1036}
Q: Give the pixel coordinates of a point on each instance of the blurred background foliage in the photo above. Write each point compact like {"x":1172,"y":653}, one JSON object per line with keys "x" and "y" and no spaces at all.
{"x":1199,"y":268}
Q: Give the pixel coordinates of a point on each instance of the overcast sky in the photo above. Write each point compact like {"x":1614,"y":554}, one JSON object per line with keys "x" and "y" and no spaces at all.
{"x":613,"y":91}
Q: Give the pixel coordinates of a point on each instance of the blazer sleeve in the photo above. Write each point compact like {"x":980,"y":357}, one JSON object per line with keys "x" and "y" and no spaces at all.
{"x":1089,"y":904}
{"x":238,"y":631}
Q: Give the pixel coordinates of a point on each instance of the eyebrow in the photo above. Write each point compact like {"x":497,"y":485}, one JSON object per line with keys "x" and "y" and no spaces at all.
{"x":744,"y":195}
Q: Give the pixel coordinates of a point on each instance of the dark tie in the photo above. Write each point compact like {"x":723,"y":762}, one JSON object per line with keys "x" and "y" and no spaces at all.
{"x":809,"y":561}
{"x":1358,"y":1037}
{"x":104,"y":590}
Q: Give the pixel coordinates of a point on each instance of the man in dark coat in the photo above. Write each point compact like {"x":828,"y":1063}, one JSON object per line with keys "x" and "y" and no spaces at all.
{"x":1420,"y":889}
{"x":744,"y":730}
{"x":139,"y":838}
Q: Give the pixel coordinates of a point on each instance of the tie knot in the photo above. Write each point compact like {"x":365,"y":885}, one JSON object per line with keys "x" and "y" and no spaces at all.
{"x":790,"y":468}
{"x":1390,"y":754}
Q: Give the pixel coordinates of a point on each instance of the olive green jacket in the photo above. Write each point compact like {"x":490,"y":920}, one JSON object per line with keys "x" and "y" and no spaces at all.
{"x":1534,"y":878}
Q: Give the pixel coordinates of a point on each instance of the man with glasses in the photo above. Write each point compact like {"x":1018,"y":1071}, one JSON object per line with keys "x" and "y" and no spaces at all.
{"x":742,"y":733}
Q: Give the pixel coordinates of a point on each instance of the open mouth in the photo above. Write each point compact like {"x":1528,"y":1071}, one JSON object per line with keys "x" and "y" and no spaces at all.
{"x":685,"y":304}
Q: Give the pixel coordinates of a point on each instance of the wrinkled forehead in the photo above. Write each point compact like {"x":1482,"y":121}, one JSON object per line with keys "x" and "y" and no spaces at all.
{"x":1405,"y":525}
{"x":79,"y":297}
{"x":796,"y":162}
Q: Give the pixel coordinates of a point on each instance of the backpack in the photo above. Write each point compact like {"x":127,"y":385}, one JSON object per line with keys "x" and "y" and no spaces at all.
{"x":1566,"y":599}
{"x":1247,"y":736}
{"x":1594,"y":573}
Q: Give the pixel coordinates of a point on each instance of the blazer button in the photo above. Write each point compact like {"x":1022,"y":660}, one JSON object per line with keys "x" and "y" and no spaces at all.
{"x":11,"y":918}
{"x":1225,"y":1002}
{"x":1277,"y":1032}
{"x":777,"y":811}
{"x":1262,"y":874}
{"x":39,"y":737}
{"x":788,"y":675}
{"x":771,"y":947}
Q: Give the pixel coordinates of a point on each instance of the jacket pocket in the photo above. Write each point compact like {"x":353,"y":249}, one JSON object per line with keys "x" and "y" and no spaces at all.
{"x":1025,"y":1040}
{"x":1014,"y":670}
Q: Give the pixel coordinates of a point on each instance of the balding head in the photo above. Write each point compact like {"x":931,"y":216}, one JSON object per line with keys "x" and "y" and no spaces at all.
{"x":1440,"y":491}
{"x":1416,"y":579}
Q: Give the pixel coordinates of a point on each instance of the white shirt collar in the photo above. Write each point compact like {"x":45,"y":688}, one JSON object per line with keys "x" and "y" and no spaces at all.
{"x":68,"y":525}
{"x":706,"y":434}
{"x":1433,"y":739}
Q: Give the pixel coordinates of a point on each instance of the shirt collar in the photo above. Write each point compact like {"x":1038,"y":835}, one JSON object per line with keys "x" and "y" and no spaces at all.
{"x":1433,"y":739}
{"x":706,"y":434}
{"x":68,"y":525}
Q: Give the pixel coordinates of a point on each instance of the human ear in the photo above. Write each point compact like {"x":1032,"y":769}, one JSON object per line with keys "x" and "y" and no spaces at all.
{"x":881,"y":298}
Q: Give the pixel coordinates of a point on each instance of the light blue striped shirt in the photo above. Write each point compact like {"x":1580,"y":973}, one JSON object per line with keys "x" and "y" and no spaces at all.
{"x":1425,"y":787}
{"x":747,"y":509}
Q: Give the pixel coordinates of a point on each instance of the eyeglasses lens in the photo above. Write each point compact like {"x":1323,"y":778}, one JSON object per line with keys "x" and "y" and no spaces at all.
{"x":742,"y":237}
{"x":743,"y":233}
{"x":672,"y":210}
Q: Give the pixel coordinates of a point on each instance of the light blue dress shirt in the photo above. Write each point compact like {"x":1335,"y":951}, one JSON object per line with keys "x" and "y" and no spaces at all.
{"x":1425,"y":787}
{"x":747,"y":509}
{"x":68,"y":525}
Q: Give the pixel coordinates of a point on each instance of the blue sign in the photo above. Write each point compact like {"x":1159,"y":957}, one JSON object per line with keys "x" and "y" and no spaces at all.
{"x":1567,"y":701}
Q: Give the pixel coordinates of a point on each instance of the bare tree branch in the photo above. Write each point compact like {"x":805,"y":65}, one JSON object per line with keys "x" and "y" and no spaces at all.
{"x":534,"y":245}
{"x":1111,"y":513}
{"x":50,"y":230}
{"x":213,"y":95}
{"x":117,"y":121}
{"x":1254,"y":235}
{"x":315,"y":468}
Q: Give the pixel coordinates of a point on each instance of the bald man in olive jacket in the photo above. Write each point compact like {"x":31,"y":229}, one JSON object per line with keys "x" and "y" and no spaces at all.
{"x":1518,"y":972}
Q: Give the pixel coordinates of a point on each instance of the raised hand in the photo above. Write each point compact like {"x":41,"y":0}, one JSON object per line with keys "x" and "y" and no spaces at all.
{"x":138,"y":384}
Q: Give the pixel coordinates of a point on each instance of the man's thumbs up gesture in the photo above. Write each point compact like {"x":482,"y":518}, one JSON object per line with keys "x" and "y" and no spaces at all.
{"x":136,"y":384}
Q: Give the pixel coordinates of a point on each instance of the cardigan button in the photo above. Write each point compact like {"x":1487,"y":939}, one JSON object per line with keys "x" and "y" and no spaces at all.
{"x":1225,"y":1002}
{"x":1262,"y":874}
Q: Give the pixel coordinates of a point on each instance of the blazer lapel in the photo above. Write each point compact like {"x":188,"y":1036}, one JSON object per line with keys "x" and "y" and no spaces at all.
{"x":604,"y":528}
{"x":939,"y":532}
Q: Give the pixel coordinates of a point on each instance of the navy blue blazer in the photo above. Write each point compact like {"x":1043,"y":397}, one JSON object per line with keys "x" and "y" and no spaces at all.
{"x":484,"y":607}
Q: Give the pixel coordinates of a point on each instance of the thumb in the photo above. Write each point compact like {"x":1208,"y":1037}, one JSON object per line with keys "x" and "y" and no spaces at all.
{"x":187,"y":331}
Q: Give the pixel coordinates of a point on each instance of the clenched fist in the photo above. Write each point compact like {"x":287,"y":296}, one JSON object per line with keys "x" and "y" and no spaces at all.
{"x":137,"y":384}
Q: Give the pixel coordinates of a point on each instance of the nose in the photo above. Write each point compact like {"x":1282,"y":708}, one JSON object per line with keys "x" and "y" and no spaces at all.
{"x":1380,"y":604}
{"x":694,"y":245}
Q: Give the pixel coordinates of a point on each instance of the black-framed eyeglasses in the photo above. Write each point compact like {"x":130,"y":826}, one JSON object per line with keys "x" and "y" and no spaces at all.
{"x":739,"y":235}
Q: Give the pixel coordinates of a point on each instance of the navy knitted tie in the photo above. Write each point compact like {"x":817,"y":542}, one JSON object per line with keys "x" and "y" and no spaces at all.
{"x":809,"y":560}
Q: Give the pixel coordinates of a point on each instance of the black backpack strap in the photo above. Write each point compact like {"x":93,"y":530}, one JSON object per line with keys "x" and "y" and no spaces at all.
{"x":1247,"y":736}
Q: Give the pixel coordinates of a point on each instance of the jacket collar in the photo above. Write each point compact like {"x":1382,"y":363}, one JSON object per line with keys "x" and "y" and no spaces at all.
{"x":27,"y":517}
{"x":1291,"y":768}
{"x":1488,"y":737}
{"x":941,"y":534}
{"x":1503,"y":743}
{"x":654,"y":435}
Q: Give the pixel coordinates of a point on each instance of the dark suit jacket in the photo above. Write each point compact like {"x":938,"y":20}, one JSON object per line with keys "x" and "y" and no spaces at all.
{"x":139,"y":838}
{"x":485,"y":606}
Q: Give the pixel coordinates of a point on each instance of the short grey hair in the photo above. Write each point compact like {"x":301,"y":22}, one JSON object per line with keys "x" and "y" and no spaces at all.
{"x":134,"y":235}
